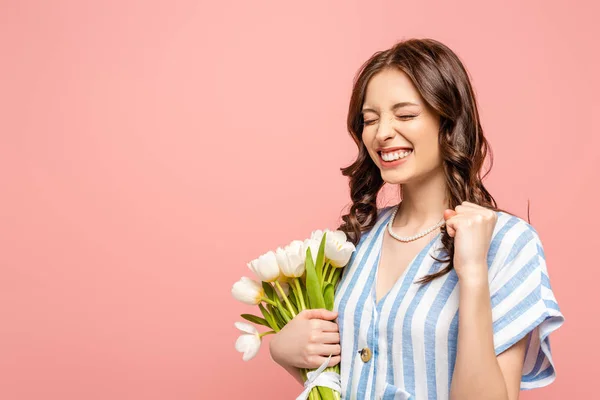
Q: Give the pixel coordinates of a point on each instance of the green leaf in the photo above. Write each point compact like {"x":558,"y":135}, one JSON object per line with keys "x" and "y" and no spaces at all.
{"x":321,"y":258}
{"x":269,"y":291}
{"x":277,"y":316}
{"x":289,"y":297}
{"x":303,"y":286}
{"x":268,"y":317}
{"x":336,"y":275}
{"x":256,"y":320}
{"x":328,"y":296}
{"x":304,"y":295}
{"x":292,"y":292}
{"x":282,"y":310}
{"x":326,"y":393}
{"x":292,"y":297}
{"x":313,"y":285}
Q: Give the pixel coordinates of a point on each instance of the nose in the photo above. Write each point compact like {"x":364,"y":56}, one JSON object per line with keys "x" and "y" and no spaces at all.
{"x":385,"y":129}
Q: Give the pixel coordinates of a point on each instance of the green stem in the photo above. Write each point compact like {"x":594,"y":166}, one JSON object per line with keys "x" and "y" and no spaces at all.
{"x":271,"y":302}
{"x":260,"y":335}
{"x":299,"y":289}
{"x":324,"y":273}
{"x":285,"y":298}
{"x":331,"y":275}
{"x":336,"y":276}
{"x":304,"y":372}
{"x":336,"y":395}
{"x":295,"y":291}
{"x":285,"y":314}
{"x":282,"y":311}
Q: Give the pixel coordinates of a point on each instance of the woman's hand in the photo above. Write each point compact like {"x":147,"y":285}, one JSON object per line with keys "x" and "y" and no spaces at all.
{"x":472,"y":227}
{"x":307,"y":340}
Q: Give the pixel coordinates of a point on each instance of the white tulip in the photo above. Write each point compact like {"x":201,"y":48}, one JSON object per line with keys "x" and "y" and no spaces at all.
{"x":317,"y":235}
{"x":291,"y":259}
{"x":265,"y":267}
{"x":314,"y":242}
{"x":337,"y":249}
{"x":248,"y":291}
{"x":248,"y":342}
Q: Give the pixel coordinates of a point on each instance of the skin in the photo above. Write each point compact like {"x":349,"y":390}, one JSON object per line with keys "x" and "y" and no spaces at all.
{"x":479,"y":373}
{"x":306,"y":341}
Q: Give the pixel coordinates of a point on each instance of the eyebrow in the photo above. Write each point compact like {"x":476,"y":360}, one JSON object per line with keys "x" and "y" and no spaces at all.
{"x":394,"y":107}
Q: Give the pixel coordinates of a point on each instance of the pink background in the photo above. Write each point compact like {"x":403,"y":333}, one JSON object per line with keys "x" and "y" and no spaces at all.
{"x":149,"y":149}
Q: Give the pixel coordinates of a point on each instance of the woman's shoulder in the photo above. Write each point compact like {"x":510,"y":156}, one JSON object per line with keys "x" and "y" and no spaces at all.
{"x":382,"y":214}
{"x":512,"y":228}
{"x":515,"y":242}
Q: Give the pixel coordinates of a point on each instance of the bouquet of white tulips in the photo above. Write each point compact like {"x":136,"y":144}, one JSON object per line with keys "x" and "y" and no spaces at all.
{"x":302,"y":275}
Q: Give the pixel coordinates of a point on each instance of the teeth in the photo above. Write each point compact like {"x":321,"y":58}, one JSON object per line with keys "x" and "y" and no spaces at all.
{"x":395,"y":156}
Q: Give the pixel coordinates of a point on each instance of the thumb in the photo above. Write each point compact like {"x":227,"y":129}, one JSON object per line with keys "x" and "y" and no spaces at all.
{"x":320,"y":313}
{"x":448,"y":213}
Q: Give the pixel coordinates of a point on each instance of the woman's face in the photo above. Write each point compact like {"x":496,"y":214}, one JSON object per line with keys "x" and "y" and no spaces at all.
{"x":395,"y":116}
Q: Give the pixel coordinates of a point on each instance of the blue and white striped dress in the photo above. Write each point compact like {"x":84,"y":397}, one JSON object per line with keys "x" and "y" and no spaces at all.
{"x":412,"y":332}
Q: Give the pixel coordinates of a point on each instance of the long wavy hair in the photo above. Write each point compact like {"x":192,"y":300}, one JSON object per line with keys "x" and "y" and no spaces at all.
{"x":443,"y":82}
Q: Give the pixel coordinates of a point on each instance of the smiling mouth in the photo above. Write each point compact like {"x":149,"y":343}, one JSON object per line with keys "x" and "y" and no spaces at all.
{"x":394,"y":155}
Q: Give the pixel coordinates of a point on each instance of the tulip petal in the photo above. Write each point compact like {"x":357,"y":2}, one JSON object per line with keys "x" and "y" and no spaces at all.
{"x":338,"y":236}
{"x":249,"y":345}
{"x":246,"y":327}
{"x":247,"y":291}
{"x":267,"y":267}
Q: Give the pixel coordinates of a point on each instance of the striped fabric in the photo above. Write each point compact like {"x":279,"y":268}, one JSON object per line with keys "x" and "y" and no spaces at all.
{"x":412,"y":332}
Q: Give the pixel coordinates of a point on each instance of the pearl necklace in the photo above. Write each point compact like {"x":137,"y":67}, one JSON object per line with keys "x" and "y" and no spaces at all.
{"x":414,"y":237}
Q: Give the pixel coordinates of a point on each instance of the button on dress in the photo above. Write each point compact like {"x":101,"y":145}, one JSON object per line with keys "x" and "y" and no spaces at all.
{"x":404,"y":346}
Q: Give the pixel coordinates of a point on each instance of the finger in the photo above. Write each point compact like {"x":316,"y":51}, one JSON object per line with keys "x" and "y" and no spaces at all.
{"x":449,"y":213}
{"x":451,"y":231}
{"x":319,"y":313}
{"x":317,"y":361}
{"x":326,"y":326}
{"x":330,"y":337}
{"x":464,"y":209}
{"x":334,"y":361}
{"x":326,"y":349}
{"x":453,"y":223}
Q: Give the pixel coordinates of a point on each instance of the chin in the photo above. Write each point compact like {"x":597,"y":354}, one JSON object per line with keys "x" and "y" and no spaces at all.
{"x":395,"y":178}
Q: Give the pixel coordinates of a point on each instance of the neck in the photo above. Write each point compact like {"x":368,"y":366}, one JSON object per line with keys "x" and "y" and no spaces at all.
{"x":423,"y":203}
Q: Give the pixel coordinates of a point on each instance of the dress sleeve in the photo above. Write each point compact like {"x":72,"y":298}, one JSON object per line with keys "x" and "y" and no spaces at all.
{"x":523,"y":304}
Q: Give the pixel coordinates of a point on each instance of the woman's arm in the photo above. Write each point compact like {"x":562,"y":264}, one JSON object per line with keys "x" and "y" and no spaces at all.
{"x":306,"y":342}
{"x":295,"y":372}
{"x":478,"y":373}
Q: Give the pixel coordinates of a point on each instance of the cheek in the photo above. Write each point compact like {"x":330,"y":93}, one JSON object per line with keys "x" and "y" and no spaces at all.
{"x":428,"y":154}
{"x":368,"y":135}
{"x":427,"y":148}
{"x":368,"y":139}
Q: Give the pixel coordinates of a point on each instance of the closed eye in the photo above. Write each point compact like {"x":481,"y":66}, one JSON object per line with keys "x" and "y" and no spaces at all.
{"x":401,"y":117}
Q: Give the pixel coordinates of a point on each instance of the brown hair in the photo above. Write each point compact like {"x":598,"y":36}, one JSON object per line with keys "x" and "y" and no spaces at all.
{"x":443,"y":82}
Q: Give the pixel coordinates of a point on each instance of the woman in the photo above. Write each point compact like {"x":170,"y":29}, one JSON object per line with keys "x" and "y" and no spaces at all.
{"x":447,"y":296}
